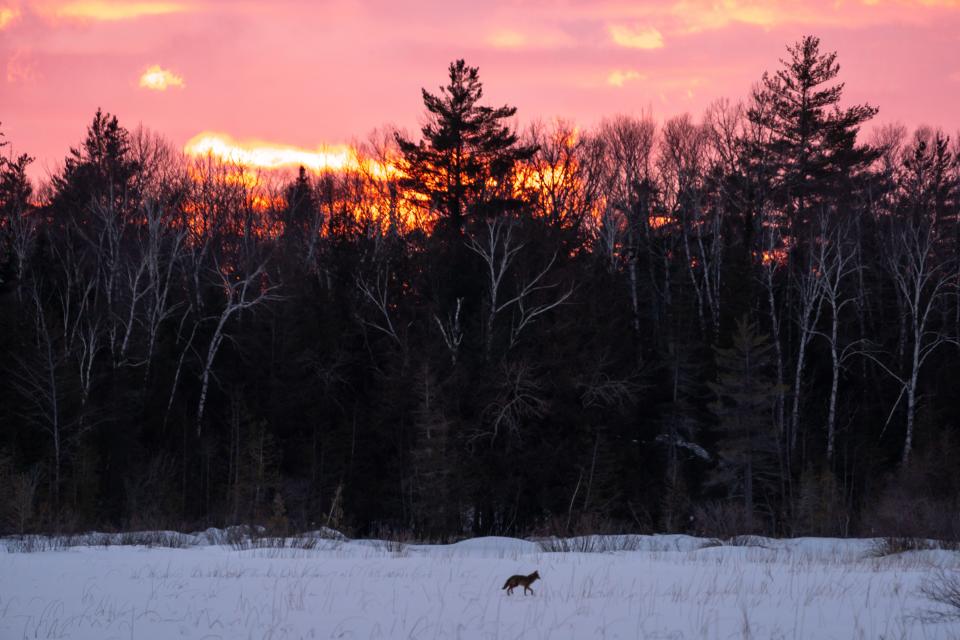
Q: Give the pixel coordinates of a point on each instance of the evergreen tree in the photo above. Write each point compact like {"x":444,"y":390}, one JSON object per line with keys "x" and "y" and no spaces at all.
{"x":101,"y":171}
{"x":810,"y":141}
{"x":15,"y":193}
{"x":464,"y":162}
{"x":926,"y":180}
{"x":301,"y":206}
{"x":743,"y":406}
{"x":434,"y":457}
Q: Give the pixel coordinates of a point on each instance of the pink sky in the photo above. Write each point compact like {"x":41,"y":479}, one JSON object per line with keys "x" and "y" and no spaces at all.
{"x":307,"y":74}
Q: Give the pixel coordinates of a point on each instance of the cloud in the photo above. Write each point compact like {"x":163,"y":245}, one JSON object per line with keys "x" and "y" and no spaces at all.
{"x":20,"y":68}
{"x":7,"y":16}
{"x":542,"y":39}
{"x":269,"y":155}
{"x":507,"y":40}
{"x":695,"y":16}
{"x":156,"y":78}
{"x":949,"y":4}
{"x":619,"y":78}
{"x":111,"y":11}
{"x":636,"y":38}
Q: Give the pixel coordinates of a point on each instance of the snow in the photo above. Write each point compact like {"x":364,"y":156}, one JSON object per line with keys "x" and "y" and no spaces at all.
{"x":659,"y":587}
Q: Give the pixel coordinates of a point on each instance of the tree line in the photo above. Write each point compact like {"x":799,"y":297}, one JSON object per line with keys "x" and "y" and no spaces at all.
{"x":743,"y":323}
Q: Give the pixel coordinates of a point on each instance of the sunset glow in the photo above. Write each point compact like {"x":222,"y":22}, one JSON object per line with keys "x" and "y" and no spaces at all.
{"x":272,"y":156}
{"x":8,"y":15}
{"x":305,"y":77}
{"x":267,"y":155}
{"x":157,"y":78}
{"x":620,"y":78}
{"x":636,"y":38}
{"x":114,"y":11}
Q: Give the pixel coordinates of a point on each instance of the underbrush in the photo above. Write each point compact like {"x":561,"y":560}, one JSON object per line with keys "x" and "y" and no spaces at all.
{"x":590,"y":544}
{"x":943,"y":589}
{"x":244,"y":538}
{"x":164,"y":539}
{"x":892,"y":545}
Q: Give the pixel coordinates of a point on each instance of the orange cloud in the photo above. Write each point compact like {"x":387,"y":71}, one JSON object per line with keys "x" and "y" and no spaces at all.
{"x":7,"y":16}
{"x":268,"y":155}
{"x":507,"y":40}
{"x":619,"y":78}
{"x":156,"y":78}
{"x":635,"y":38}
{"x":111,"y":11}
{"x":694,"y":16}
{"x":949,"y":4}
{"x":697,"y":15}
{"x":544,"y":39}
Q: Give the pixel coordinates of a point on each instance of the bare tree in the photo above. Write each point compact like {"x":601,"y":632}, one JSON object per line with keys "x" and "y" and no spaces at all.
{"x":922,"y":283}
{"x":42,"y":381}
{"x":241,"y":292}
{"x":382,"y":201}
{"x":376,"y":292}
{"x":217,"y":190}
{"x":498,"y":249}
{"x":184,"y":350}
{"x":563,"y":174}
{"x":451,"y":331}
{"x":682,"y":165}
{"x":520,"y":395}
{"x":805,"y":279}
{"x":836,"y":262}
{"x":628,"y":152}
{"x":162,"y":248}
{"x":772,"y":260}
{"x":107,"y":245}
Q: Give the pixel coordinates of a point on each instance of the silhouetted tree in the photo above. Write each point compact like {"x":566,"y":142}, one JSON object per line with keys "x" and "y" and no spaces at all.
{"x":811,"y":142}
{"x":463,"y":164}
{"x":101,"y":171}
{"x":470,"y":333}
{"x":16,"y":227}
{"x":745,"y":394}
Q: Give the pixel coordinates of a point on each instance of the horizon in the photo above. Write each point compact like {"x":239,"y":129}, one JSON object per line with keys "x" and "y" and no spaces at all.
{"x":181,"y":69}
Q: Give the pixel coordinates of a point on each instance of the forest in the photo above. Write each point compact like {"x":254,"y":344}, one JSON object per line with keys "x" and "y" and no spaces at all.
{"x":741,"y":322}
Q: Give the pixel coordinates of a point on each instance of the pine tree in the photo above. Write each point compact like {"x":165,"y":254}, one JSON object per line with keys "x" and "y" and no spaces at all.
{"x":301,"y":206}
{"x":745,"y":394}
{"x":809,"y":139}
{"x":463,"y":164}
{"x":926,"y":180}
{"x":15,"y":193}
{"x":434,"y":460}
{"x":101,"y":171}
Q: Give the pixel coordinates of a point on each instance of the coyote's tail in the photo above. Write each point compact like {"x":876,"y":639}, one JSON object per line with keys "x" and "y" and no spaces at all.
{"x":505,"y":584}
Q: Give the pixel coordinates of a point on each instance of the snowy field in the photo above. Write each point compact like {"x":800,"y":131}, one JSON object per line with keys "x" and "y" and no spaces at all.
{"x":662,"y":587}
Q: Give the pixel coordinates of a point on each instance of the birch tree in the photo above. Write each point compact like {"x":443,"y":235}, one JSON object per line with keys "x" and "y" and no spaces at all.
{"x":837,"y":263}
{"x":498,"y":249}
{"x":241,"y":292}
{"x":922,"y":283}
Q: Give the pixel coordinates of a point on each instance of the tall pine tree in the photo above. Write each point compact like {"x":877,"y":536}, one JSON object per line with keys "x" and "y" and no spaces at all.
{"x":810,"y":140}
{"x":463,"y":164}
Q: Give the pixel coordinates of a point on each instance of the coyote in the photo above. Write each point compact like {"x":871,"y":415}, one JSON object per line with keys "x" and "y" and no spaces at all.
{"x":516,"y":581}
